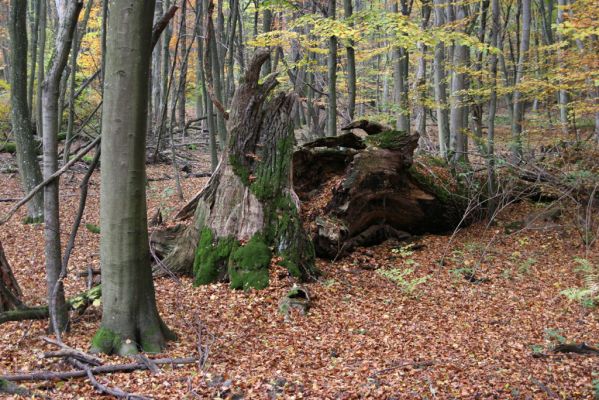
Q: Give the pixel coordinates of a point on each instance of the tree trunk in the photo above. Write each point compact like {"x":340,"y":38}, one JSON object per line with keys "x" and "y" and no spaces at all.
{"x":332,"y":75}
{"x":130,"y":318}
{"x":29,"y":169}
{"x":458,"y":100}
{"x":10,"y":292}
{"x":400,"y":75}
{"x":50,"y":95}
{"x":563,"y":97}
{"x":518,"y":101}
{"x":248,"y":207}
{"x":495,"y":41}
{"x":41,"y":57}
{"x":34,"y":35}
{"x":351,"y":67}
{"x":440,"y":84}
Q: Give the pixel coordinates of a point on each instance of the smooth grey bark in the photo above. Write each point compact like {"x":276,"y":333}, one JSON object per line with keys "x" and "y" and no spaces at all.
{"x":563,"y":97}
{"x":41,"y":57}
{"x":156,"y":96}
{"x":50,"y":96}
{"x":130,"y":317}
{"x":421,"y":86}
{"x":516,"y":145}
{"x":77,"y":38}
{"x":332,"y":76}
{"x":181,"y":92}
{"x":29,"y":169}
{"x":207,"y":104}
{"x":440,"y":84}
{"x":495,"y":42}
{"x":351,"y":66}
{"x":34,"y":48}
{"x":458,"y":108}
{"x":400,"y":77}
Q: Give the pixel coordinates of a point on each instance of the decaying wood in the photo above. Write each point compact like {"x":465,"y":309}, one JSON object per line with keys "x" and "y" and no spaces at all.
{"x":581,"y":348}
{"x":250,"y":193}
{"x":77,"y":303}
{"x":377,"y":192}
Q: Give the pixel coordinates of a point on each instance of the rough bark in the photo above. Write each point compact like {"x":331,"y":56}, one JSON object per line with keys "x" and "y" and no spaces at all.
{"x":130,"y":319}
{"x":247,"y":211}
{"x":29,"y":169}
{"x":371,"y":192}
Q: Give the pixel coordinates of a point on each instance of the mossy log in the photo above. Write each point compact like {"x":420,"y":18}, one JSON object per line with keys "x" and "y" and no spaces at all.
{"x":377,"y":193}
{"x":248,"y":211}
{"x":77,"y":303}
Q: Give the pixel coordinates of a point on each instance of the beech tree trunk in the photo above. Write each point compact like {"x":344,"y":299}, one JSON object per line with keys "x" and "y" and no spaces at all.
{"x":518,"y":115}
{"x":29,"y":169}
{"x":130,"y":319}
{"x":50,"y":115}
{"x":248,"y":211}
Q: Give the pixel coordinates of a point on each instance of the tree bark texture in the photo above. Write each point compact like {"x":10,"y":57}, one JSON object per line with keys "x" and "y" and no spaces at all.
{"x":371,"y":191}
{"x":130,"y":319}
{"x":29,"y":169}
{"x":50,"y":96}
{"x":248,"y":211}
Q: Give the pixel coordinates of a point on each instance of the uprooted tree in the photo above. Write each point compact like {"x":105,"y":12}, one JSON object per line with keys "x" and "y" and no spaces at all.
{"x":248,"y":211}
{"x":365,"y":188}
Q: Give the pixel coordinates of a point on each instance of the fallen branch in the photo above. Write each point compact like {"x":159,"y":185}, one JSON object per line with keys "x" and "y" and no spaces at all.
{"x":51,"y":178}
{"x":77,"y":303}
{"x":103,"y":369}
{"x":581,"y":348}
{"x":414,"y":364}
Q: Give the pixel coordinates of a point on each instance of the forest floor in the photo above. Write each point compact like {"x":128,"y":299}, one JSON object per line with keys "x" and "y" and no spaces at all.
{"x":365,"y":335}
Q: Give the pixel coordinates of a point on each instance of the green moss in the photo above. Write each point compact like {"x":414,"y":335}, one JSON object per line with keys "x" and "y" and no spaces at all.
{"x":87,"y":159}
{"x":388,"y":140}
{"x":211,"y":258}
{"x":248,"y":265}
{"x":33,"y":220}
{"x":8,"y":147}
{"x":93,"y":228}
{"x":240,"y":170}
{"x":428,"y":183}
{"x":61,"y":136}
{"x":105,"y":341}
{"x":271,"y":177}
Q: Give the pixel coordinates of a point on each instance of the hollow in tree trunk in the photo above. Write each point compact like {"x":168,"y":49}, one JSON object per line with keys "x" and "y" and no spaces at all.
{"x":248,"y":212}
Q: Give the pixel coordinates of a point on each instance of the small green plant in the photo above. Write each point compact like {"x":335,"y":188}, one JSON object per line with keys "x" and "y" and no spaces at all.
{"x":596,"y":386}
{"x":537,"y":349}
{"x":554,"y":335}
{"x":462,"y":272}
{"x":524,"y":268}
{"x":192,"y":146}
{"x":404,"y":251}
{"x":399,"y":277}
{"x":93,"y":228}
{"x":587,"y":296}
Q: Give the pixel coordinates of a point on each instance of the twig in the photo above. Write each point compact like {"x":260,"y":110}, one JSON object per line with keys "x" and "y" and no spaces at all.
{"x":102,"y":369}
{"x":51,"y":178}
{"x":544,"y":388}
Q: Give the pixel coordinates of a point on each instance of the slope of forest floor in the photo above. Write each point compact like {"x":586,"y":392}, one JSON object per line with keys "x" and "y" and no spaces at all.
{"x":452,"y":336}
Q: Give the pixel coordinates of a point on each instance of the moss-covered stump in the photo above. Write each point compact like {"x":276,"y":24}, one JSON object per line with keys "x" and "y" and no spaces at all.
{"x":370,"y":194}
{"x":248,"y":211}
